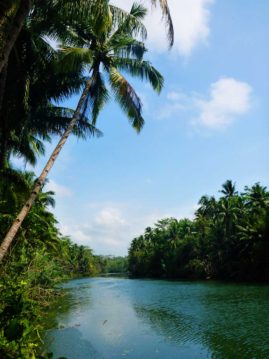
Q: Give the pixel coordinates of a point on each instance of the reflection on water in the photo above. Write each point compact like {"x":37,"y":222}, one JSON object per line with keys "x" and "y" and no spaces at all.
{"x":173,"y":326}
{"x":116,"y":318}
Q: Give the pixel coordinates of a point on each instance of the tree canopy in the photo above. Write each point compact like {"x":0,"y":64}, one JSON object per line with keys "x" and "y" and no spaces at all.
{"x":227,"y":239}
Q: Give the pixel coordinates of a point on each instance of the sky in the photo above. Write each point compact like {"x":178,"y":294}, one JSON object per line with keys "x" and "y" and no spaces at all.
{"x":209,"y":124}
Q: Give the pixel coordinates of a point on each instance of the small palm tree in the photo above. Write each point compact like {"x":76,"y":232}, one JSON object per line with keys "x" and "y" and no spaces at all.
{"x":207,"y":207}
{"x":228,"y":213}
{"x":102,"y":49}
{"x":257,"y":197}
{"x":228,"y":189}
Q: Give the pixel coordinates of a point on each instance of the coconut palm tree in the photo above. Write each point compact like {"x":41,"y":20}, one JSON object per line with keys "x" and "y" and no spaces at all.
{"x":228,"y":213}
{"x":14,"y":13}
{"x":207,"y":207}
{"x":101,"y":50}
{"x":228,"y":189}
{"x":30,"y":117}
{"x":257,"y":197}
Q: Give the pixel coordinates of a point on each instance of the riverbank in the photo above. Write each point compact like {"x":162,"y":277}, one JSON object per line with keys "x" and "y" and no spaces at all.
{"x":28,"y":292}
{"x":30,"y":288}
{"x":30,"y":306}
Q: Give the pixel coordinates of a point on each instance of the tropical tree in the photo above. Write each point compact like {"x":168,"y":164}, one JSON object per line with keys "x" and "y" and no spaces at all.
{"x":14,"y":189}
{"x":228,"y":211}
{"x":14,"y":13}
{"x":228,"y":239}
{"x":207,"y":207}
{"x":257,"y":197}
{"x":229,"y":189}
{"x":107,"y":47}
{"x":30,"y":117}
{"x":12,"y":18}
{"x":40,"y":258}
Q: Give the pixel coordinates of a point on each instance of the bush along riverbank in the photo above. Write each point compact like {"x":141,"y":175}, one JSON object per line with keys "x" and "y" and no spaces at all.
{"x":39,"y":260}
{"x":228,"y":239}
{"x":28,"y":290}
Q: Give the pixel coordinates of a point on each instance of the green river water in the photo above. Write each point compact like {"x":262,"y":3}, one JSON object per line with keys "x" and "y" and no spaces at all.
{"x":123,"y":318}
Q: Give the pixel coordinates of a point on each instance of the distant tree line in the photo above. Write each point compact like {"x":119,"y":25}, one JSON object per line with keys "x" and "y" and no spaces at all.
{"x":112,"y":264}
{"x":227,"y":239}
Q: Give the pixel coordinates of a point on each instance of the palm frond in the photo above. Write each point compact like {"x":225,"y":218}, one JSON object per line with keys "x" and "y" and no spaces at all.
{"x":168,"y":19}
{"x":46,"y":198}
{"x":23,"y":148}
{"x":74,"y":58}
{"x":54,"y":120}
{"x":84,"y":10}
{"x":141,"y":69}
{"x":16,"y":178}
{"x":97,"y":98}
{"x":129,"y":22}
{"x":125,"y":46}
{"x":84,"y":129}
{"x":37,"y":145}
{"x":126,"y":96}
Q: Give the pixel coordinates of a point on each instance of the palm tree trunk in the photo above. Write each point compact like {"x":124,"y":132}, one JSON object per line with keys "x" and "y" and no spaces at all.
{"x":14,"y":31}
{"x":41,"y":179}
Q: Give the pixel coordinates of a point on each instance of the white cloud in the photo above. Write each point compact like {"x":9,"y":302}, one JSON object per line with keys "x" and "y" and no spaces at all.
{"x":103,"y":228}
{"x":177,"y":102}
{"x":229,"y":98}
{"x":110,"y":216}
{"x":60,"y":190}
{"x":169,"y":109}
{"x":190,"y":19}
{"x":109,"y":228}
{"x":176,"y":96}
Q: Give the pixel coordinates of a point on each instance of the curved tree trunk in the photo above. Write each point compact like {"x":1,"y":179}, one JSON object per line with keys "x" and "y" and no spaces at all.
{"x":14,"y":31}
{"x":41,"y":179}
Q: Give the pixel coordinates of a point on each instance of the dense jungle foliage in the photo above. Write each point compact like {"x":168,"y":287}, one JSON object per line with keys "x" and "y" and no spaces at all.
{"x":227,"y":239}
{"x":40,"y":258}
{"x":112,"y":264}
{"x":93,"y":37}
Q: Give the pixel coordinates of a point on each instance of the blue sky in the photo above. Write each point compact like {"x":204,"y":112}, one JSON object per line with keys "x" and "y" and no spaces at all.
{"x":210,"y":123}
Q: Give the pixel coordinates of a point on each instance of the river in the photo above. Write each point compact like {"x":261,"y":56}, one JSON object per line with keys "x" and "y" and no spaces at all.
{"x":124,"y":318}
